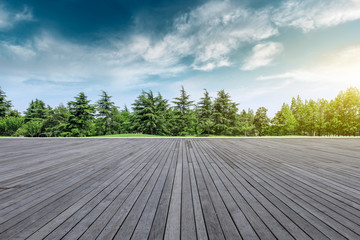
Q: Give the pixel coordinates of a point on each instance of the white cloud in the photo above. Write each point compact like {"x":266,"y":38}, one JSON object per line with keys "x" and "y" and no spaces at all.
{"x":25,"y":15}
{"x":4,"y":18}
{"x":210,"y":34}
{"x":207,"y":37}
{"x":52,"y":59}
{"x":340,"y":68}
{"x":24,"y":52}
{"x":214,"y":31}
{"x":263,"y":54}
{"x":309,"y":15}
{"x":9,"y":18}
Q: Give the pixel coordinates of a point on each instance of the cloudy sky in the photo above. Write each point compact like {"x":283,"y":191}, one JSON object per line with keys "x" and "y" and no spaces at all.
{"x":261,"y":52}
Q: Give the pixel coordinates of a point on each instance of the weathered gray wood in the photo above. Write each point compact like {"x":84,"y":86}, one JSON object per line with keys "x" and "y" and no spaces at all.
{"x":180,"y":188}
{"x":159,"y":223}
{"x":143,"y":227}
{"x":198,"y":214}
{"x":173,"y":223}
{"x":188,"y":225}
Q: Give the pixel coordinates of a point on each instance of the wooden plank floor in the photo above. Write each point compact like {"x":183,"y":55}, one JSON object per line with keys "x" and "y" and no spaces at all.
{"x":180,"y":188}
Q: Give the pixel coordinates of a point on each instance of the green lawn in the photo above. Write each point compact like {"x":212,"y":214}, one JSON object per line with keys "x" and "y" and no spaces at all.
{"x":210,"y":135}
{"x":129,"y":135}
{"x":149,"y":135}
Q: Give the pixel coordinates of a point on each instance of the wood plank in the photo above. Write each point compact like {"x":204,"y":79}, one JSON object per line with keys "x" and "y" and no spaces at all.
{"x":180,"y":188}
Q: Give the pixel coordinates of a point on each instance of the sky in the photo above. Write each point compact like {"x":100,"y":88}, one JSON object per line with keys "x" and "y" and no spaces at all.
{"x":261,"y":52}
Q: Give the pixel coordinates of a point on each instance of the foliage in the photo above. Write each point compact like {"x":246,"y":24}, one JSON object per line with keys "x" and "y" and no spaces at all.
{"x":246,"y":123}
{"x":56,"y":123}
{"x":261,"y":121}
{"x":5,"y":105}
{"x":31,"y":128}
{"x":105,"y":109}
{"x":9,"y":125}
{"x":152,"y":115}
{"x":284,"y":121}
{"x":205,"y":114}
{"x":225,"y":115}
{"x":36,"y":111}
{"x":81,"y":116}
{"x":184,"y":117}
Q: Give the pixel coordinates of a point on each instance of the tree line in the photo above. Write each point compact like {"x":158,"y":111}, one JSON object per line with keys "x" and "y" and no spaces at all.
{"x":152,"y":114}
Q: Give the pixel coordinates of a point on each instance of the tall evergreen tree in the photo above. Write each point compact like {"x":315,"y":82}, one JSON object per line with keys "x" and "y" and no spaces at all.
{"x":205,"y":113}
{"x":261,"y":120}
{"x":225,"y":114}
{"x":149,"y":114}
{"x":81,"y":116}
{"x":36,"y":111}
{"x":105,"y":108}
{"x":184,"y":118}
{"x":5,"y":105}
{"x":56,"y":122}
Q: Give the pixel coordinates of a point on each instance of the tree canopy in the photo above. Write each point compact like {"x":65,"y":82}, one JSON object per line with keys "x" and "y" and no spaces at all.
{"x":152,"y":114}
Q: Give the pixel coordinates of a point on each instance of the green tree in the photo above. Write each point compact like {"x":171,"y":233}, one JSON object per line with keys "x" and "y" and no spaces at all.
{"x":322,"y":107}
{"x":105,"y":108}
{"x":310,"y":116}
{"x":284,"y":121}
{"x":205,"y":113}
{"x":55,"y":124}
{"x":122,"y":121}
{"x":345,"y":112}
{"x":149,"y":114}
{"x":9,"y":125}
{"x":36,"y":111}
{"x":31,"y":128}
{"x":225,"y":114}
{"x":184,"y":117}
{"x":81,"y":116}
{"x":261,"y":121}
{"x":5,"y":105}
{"x":246,"y":122}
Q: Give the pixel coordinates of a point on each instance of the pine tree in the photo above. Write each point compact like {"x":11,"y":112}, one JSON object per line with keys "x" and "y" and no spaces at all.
{"x":205,"y":113}
{"x":184,"y":119}
{"x":81,"y":116}
{"x":5,"y":105}
{"x":36,"y":111}
{"x":225,"y":114}
{"x":56,"y":122}
{"x":149,"y":114}
{"x":105,"y":110}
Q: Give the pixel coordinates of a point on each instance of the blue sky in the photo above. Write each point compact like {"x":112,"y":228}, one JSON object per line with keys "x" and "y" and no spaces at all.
{"x":261,"y":52}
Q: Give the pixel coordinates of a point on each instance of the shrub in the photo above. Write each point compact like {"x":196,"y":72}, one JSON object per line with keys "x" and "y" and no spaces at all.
{"x":9,"y":125}
{"x":30,"y":129}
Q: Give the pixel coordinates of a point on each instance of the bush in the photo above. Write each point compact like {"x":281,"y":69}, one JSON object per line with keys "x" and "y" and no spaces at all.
{"x":9,"y":125}
{"x":30,"y":129}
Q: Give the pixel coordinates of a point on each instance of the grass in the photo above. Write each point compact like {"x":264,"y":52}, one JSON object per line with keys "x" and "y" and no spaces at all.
{"x":196,"y":135}
{"x":149,"y":135}
{"x":129,"y":135}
